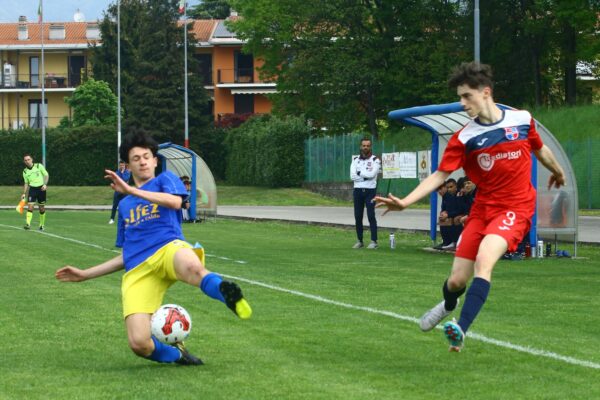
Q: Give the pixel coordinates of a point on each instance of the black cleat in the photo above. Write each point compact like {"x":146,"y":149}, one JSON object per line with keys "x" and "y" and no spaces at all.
{"x":26,"y":227}
{"x":41,"y":228}
{"x":187,"y":358}
{"x":235,"y":299}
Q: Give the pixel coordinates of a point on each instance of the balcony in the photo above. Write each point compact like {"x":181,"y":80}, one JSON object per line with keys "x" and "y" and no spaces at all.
{"x":239,"y":75}
{"x":33,"y":82}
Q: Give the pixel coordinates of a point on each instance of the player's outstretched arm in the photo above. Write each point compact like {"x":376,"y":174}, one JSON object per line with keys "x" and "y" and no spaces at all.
{"x":163,"y":199}
{"x":69,"y":273}
{"x":548,"y":160}
{"x":431,"y":183}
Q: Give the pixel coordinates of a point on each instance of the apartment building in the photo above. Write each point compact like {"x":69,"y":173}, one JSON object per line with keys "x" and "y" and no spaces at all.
{"x":65,"y":66}
{"x":229,"y":75}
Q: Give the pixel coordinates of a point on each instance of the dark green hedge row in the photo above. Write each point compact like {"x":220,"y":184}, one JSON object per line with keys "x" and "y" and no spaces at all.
{"x":267,"y":151}
{"x":74,"y":157}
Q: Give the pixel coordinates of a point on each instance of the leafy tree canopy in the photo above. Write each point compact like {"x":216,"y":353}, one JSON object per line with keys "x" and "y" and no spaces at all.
{"x":94,"y":104}
{"x":152,"y":68}
{"x":210,"y":9}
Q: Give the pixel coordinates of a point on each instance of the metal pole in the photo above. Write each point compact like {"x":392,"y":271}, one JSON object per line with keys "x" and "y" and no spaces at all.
{"x":476,"y":34}
{"x":42,"y":106}
{"x":185,"y":79}
{"x":118,"y":78}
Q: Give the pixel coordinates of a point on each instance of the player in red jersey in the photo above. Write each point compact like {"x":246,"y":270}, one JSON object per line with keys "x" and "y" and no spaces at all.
{"x":494,"y":151}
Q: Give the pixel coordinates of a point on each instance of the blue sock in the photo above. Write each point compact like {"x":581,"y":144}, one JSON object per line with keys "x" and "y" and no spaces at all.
{"x":210,"y":286}
{"x":476,"y":296}
{"x":164,"y":353}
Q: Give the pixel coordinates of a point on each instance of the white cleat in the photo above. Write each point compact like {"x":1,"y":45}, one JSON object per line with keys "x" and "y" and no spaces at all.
{"x":434,"y":316}
{"x":112,"y":221}
{"x":358,"y":245}
{"x":372,"y":245}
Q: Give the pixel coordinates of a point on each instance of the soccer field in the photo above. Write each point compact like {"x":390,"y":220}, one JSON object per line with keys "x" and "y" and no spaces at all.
{"x":329,"y":322}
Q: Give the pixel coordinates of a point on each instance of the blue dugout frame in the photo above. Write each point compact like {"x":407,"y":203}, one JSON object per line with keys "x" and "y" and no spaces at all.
{"x":193,"y":195}
{"x":408,"y":115}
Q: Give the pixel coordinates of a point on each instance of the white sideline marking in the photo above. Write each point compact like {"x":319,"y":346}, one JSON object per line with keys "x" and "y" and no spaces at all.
{"x":472,"y":335}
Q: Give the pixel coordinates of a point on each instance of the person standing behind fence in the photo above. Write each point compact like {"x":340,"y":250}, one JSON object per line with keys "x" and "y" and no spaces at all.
{"x":124,"y":174}
{"x":363,"y":172}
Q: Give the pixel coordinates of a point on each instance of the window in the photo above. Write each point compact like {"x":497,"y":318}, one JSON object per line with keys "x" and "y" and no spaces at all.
{"x":243,"y":103}
{"x":35,"y":113}
{"x":34,"y":71}
{"x":244,"y":67}
{"x":205,"y":67}
{"x":76,"y":70}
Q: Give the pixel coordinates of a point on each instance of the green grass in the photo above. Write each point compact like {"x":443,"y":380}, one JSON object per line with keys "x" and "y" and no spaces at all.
{"x":226,"y":195}
{"x":571,"y":123}
{"x":67,"y":341}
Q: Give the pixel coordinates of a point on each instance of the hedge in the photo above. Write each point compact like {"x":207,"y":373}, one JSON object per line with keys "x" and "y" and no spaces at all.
{"x":74,"y":157}
{"x":267,"y":151}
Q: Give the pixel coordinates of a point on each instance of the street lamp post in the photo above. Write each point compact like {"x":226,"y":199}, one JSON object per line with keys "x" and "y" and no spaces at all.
{"x":118,"y":78}
{"x":476,"y":33}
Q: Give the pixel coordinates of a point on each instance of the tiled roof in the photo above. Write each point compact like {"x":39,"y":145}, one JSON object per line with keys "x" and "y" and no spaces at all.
{"x":202,"y":28}
{"x":75,"y":33}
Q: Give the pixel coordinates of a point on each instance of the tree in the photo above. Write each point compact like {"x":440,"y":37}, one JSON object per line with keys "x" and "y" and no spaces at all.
{"x":152,"y":57}
{"x":210,"y":9}
{"x":344,"y":64}
{"x":93,"y":103}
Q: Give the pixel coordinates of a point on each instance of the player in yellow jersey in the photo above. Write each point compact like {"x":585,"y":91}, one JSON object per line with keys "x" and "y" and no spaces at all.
{"x":36,"y":178}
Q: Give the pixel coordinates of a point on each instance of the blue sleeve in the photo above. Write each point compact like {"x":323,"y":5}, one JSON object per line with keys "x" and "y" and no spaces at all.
{"x":170,"y":183}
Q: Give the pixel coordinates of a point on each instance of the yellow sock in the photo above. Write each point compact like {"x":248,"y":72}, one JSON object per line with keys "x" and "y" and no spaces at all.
{"x":42,"y":219}
{"x":28,"y":217}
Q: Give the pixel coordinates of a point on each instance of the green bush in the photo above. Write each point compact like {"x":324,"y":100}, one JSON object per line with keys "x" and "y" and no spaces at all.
{"x":74,"y":157}
{"x":267,"y":151}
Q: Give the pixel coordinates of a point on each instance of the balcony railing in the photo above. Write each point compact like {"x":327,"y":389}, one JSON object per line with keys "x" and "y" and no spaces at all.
{"x":239,"y":75}
{"x":31,"y":81}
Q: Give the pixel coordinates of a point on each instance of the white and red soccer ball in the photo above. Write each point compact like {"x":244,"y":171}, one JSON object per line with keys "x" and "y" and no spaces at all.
{"x":171,"y":324}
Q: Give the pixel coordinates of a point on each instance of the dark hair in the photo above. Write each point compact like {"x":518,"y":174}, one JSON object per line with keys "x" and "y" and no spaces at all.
{"x":473,"y":74}
{"x":365,"y":139}
{"x":451,"y":180}
{"x":27,"y":155}
{"x":137,"y":138}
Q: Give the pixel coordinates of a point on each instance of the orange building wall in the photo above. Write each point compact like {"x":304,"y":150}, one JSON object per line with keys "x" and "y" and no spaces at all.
{"x":262,"y":105}
{"x":223,"y":59}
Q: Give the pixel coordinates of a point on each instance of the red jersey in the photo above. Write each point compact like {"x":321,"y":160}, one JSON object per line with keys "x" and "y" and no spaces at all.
{"x":497,"y":158}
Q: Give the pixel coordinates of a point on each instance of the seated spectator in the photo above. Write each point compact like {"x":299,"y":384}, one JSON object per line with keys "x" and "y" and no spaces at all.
{"x":451,"y":208}
{"x":466,"y":201}
{"x":185,"y":206}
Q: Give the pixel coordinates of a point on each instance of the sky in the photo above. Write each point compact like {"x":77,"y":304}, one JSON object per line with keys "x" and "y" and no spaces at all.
{"x":56,"y":10}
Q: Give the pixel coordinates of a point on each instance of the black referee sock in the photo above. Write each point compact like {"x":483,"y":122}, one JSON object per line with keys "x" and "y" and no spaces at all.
{"x":451,"y":298}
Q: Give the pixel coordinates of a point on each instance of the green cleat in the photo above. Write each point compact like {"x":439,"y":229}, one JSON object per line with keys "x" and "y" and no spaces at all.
{"x":455,"y":336}
{"x":186,"y":358}
{"x":234,"y":299}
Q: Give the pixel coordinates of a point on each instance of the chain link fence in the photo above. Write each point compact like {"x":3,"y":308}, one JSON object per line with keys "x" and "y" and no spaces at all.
{"x":327,"y":159}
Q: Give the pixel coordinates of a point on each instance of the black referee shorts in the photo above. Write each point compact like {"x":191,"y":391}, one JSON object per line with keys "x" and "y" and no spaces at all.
{"x":36,"y":194}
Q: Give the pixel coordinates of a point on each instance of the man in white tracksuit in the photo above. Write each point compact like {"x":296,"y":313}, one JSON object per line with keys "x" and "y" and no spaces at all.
{"x":363,"y":172}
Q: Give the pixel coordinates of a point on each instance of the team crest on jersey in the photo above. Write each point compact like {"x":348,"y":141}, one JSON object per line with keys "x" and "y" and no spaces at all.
{"x":511,"y":133}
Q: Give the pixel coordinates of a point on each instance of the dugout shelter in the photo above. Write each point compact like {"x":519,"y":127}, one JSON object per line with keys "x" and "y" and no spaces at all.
{"x":556,"y":215}
{"x":185,"y":162}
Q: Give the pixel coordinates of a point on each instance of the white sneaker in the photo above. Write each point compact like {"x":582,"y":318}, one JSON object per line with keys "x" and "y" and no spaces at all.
{"x":435,"y":316}
{"x":372,"y":245}
{"x":358,"y":245}
{"x":112,"y":221}
{"x":449,"y":247}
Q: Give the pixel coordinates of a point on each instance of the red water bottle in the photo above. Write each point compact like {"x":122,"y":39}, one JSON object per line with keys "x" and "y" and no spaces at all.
{"x":527,"y":250}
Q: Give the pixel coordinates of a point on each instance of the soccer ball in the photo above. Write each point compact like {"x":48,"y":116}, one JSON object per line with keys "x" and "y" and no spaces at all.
{"x":171,"y":324}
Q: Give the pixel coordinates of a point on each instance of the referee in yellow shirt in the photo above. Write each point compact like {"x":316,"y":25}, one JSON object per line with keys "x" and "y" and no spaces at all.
{"x":35,"y":177}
